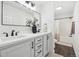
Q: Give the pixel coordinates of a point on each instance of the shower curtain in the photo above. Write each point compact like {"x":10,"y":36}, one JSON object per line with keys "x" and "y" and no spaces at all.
{"x":65,"y":26}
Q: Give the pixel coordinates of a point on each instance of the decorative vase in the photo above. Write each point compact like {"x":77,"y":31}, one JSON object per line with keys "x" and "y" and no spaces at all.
{"x":34,"y":29}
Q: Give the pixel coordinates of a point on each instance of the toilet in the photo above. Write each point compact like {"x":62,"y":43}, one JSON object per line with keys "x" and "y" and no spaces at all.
{"x":54,"y":40}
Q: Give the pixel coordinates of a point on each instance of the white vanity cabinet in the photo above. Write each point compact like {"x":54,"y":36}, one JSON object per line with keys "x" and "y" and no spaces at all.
{"x":24,"y":49}
{"x":45,"y":45}
{"x":49,"y":39}
{"x":37,"y":46}
{"x":42,"y":45}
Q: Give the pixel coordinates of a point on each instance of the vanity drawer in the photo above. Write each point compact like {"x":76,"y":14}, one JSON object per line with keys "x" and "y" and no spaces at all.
{"x":38,"y":40}
{"x":38,"y":52}
{"x":38,"y":46}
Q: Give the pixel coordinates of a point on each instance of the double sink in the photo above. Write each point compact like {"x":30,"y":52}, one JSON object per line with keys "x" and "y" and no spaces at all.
{"x":10,"y":38}
{"x":14,"y":38}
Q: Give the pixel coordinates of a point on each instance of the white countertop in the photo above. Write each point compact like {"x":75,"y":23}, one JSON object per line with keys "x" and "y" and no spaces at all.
{"x":12,"y":40}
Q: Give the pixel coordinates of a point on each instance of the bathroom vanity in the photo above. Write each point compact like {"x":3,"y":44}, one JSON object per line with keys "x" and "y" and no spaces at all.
{"x":27,"y":45}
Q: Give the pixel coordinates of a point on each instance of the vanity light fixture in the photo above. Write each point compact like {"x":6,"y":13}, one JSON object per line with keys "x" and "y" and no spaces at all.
{"x":32,"y":4}
{"x":58,"y":8}
{"x":29,"y":4}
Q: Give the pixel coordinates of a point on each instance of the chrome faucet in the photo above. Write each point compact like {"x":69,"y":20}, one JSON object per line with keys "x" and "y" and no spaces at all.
{"x":16,"y":33}
{"x":5,"y":33}
{"x":12,"y":33}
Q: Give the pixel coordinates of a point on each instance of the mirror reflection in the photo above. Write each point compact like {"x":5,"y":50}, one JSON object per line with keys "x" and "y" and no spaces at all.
{"x":14,"y":13}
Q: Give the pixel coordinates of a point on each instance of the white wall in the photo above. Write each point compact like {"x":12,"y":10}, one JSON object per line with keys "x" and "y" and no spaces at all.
{"x":76,"y":18}
{"x":47,"y":16}
{"x":76,"y":37}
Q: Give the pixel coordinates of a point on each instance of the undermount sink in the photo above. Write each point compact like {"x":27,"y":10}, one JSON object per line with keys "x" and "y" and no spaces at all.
{"x":10,"y":38}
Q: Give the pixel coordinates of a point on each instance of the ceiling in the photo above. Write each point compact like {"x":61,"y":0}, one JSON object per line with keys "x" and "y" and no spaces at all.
{"x":67,"y":8}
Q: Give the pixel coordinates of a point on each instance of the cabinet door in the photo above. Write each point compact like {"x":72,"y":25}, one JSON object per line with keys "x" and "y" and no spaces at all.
{"x":45,"y":44}
{"x":49,"y":39}
{"x":48,"y":42}
{"x":21,"y":50}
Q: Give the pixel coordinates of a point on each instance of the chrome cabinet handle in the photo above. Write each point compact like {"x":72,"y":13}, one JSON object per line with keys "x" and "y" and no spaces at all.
{"x":47,"y":37}
{"x":39,"y":51}
{"x":39,"y":46}
{"x":32,"y":44}
{"x":39,"y":40}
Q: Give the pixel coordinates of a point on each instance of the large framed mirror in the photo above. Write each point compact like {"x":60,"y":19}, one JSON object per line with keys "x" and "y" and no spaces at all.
{"x":16,"y":14}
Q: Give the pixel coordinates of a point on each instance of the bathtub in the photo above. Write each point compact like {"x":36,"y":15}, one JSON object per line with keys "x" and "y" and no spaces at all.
{"x":66,"y":39}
